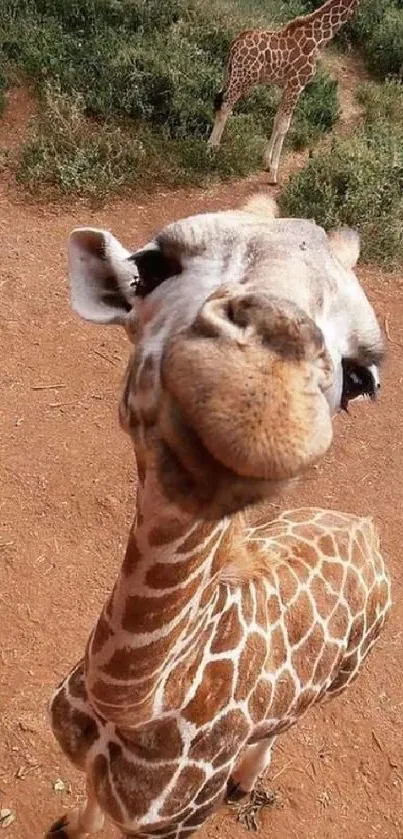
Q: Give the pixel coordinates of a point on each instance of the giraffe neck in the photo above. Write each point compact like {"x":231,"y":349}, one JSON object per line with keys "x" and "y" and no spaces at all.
{"x":324,"y":23}
{"x":166,"y":590}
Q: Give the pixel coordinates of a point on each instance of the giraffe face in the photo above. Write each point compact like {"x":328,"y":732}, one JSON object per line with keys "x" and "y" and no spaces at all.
{"x":240,"y":323}
{"x":248,"y":377}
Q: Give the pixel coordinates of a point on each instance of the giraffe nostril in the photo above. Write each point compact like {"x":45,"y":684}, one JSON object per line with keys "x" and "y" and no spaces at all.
{"x":230,"y":312}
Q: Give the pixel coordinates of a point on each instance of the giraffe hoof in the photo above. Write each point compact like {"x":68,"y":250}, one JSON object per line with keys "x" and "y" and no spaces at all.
{"x":57,"y":831}
{"x":234,"y":791}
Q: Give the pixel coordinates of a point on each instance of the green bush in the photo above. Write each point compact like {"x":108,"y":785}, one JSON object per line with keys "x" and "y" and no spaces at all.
{"x":145,"y":69}
{"x":384,"y":52}
{"x":151,"y":64}
{"x":382,"y":102}
{"x":68,"y":153}
{"x":91,"y":16}
{"x":377,"y":28}
{"x":318,"y":111}
{"x":359,"y":183}
{"x":71,"y":152}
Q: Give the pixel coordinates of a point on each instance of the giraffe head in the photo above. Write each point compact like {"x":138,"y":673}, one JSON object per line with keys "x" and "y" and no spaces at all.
{"x":240,"y":323}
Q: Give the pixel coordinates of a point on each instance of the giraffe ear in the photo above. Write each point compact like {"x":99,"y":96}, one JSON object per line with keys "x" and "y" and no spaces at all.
{"x":345,"y":245}
{"x":102,"y":276}
{"x":106,"y":279}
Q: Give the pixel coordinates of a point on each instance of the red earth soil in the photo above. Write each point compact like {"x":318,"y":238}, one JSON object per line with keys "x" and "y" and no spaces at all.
{"x":67,"y":488}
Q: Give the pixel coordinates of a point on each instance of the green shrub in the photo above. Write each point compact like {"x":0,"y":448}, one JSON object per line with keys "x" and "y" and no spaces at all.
{"x":377,"y":28}
{"x":147,"y":71}
{"x":240,"y":154}
{"x":318,"y":110}
{"x":382,"y":102}
{"x":359,"y":183}
{"x":359,"y":29}
{"x":91,"y":16}
{"x":384,"y":52}
{"x":68,"y":153}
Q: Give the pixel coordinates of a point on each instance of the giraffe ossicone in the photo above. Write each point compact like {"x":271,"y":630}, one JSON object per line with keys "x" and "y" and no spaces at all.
{"x":287,"y":58}
{"x":223,"y":626}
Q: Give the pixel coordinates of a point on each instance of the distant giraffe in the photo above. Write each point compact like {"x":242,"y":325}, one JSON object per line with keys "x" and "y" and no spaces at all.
{"x":223,"y":626}
{"x":287,"y":58}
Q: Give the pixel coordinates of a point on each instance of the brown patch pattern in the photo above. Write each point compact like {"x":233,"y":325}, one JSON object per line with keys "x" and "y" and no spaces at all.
{"x":303,"y":659}
{"x":213,"y":693}
{"x":283,"y":695}
{"x":138,"y":662}
{"x":168,"y":530}
{"x":75,"y":730}
{"x":146,"y":614}
{"x":101,"y":635}
{"x":228,"y":633}
{"x":212,"y":787}
{"x":150,"y":741}
{"x":251,"y":662}
{"x":186,"y":788}
{"x":259,"y":700}
{"x":222,"y":740}
{"x":103,"y":789}
{"x":137,"y":788}
{"x":299,"y":618}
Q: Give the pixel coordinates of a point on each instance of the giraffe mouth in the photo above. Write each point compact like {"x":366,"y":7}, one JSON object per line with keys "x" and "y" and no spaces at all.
{"x":358,"y":382}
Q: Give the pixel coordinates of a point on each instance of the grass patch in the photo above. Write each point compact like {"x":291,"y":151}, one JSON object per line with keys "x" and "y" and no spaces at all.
{"x":135,"y":79}
{"x":382,"y":102}
{"x":359,"y":183}
{"x":68,"y":153}
{"x":377,"y":29}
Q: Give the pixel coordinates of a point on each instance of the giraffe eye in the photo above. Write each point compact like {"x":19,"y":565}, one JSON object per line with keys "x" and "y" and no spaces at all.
{"x":154,"y":266}
{"x":358,"y":380}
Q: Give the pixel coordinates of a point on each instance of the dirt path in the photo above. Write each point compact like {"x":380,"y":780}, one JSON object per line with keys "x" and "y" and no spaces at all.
{"x":66,"y":478}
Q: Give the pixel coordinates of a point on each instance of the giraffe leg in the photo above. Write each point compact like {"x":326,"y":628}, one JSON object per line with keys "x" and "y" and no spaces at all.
{"x":274,"y":149}
{"x":269,"y":149}
{"x":225,"y":103}
{"x":255,"y":760}
{"x":80,"y":822}
{"x":281,"y":126}
{"x":220,"y":120}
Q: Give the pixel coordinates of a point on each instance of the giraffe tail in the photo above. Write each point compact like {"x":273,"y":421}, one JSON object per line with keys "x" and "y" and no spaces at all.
{"x":218,"y":100}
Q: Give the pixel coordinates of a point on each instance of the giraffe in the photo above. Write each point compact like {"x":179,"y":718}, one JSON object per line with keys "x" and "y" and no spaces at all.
{"x":287,"y":58}
{"x":223,"y":626}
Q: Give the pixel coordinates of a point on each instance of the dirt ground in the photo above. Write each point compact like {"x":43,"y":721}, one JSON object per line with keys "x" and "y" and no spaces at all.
{"x":66,"y":500}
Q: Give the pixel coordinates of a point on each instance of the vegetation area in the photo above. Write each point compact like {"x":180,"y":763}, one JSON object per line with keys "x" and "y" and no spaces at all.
{"x":359,"y":180}
{"x":126,"y":87}
{"x":377,"y":29}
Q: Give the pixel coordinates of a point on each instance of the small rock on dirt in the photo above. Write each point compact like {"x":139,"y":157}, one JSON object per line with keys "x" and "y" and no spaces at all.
{"x":7,"y":817}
